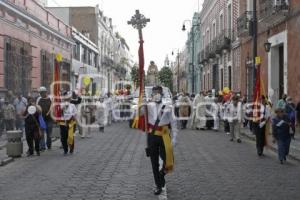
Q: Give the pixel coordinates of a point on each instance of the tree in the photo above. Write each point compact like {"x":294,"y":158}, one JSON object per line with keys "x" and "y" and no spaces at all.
{"x":135,"y":76}
{"x":166,"y":77}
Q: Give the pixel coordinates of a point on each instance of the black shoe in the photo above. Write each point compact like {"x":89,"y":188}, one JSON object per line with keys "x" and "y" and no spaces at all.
{"x":65,"y":153}
{"x":71,"y":152}
{"x":29,"y":154}
{"x":281,"y":162}
{"x":231,"y":140}
{"x":38,"y":153}
{"x":239,"y":140}
{"x":157,"y":191}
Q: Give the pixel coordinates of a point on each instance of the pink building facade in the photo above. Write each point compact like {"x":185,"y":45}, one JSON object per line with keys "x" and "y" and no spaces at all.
{"x":220,"y":51}
{"x":30,"y":37}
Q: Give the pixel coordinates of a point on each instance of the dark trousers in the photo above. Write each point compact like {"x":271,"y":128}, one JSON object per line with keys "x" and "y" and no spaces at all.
{"x":184,"y":123}
{"x":157,"y":149}
{"x":283,"y":148}
{"x":260,"y":137}
{"x":64,"y":138}
{"x":32,"y":135}
{"x":226,"y":126}
{"x":9,"y":124}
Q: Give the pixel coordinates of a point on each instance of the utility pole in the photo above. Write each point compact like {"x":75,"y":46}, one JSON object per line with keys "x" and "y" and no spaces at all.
{"x":254,"y":41}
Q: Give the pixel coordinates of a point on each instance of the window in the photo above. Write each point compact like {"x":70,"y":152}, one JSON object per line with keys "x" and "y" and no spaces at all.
{"x":17,"y":66}
{"x":222,"y":78}
{"x":229,"y":77}
{"x":221,"y":23}
{"x":46,"y":69}
{"x":214,"y":30}
{"x":229,"y":18}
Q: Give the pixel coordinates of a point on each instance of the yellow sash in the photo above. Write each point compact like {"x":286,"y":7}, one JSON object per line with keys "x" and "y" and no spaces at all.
{"x":165,"y":133}
{"x":71,"y":132}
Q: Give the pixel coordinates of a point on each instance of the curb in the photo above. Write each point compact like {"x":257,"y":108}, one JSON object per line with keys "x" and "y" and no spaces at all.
{"x":6,"y":161}
{"x":252,"y":138}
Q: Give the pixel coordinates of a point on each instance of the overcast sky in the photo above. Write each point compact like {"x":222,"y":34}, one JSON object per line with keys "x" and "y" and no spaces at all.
{"x":162,"y":35}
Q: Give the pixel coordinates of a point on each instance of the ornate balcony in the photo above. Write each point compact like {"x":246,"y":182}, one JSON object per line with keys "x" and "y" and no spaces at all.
{"x":213,"y":48}
{"x":273,"y":11}
{"x":206,"y":53}
{"x":224,"y":40}
{"x":243,"y":24}
{"x":201,"y":57}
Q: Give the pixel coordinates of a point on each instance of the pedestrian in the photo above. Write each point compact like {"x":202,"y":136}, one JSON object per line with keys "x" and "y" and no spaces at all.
{"x":261,"y":117}
{"x":216,"y":114}
{"x":198,"y":118}
{"x":67,"y":126}
{"x":32,"y":127}
{"x":20,"y":104}
{"x":290,"y":109}
{"x":225,"y":111}
{"x":235,"y":118}
{"x":282,"y":102}
{"x":45,"y":103}
{"x":184,"y":110}
{"x":101,"y":114}
{"x":9,"y":115}
{"x":159,"y":140}
{"x":281,"y":134}
{"x":209,"y":100}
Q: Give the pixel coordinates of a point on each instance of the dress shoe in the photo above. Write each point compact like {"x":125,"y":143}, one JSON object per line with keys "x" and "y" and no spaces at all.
{"x":157,"y":191}
{"x":239,"y":140}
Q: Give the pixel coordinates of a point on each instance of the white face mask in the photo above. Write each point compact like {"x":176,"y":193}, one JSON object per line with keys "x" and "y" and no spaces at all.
{"x":157,"y":98}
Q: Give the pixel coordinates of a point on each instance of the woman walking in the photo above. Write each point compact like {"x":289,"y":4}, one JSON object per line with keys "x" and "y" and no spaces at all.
{"x":32,"y":126}
{"x":281,"y":134}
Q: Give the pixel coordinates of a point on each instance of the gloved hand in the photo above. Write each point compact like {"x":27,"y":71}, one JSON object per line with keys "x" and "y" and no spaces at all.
{"x":174,"y":142}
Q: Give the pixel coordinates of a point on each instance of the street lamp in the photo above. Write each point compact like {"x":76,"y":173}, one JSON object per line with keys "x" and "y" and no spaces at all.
{"x":267,"y":46}
{"x":178,"y":80}
{"x":193,"y":49}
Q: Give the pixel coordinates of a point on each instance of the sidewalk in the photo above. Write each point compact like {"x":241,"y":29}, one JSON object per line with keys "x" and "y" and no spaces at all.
{"x":294,"y":148}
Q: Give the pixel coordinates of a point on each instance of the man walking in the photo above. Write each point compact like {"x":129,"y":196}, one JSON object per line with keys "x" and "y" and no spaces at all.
{"x":235,"y":119}
{"x":160,"y":144}
{"x":20,"y":104}
{"x":45,"y":103}
{"x":9,"y":114}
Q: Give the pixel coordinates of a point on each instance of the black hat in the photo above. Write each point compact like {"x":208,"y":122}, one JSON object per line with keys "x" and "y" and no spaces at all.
{"x":158,"y":88}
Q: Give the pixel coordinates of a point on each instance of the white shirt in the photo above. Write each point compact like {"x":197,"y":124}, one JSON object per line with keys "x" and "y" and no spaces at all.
{"x":69,"y":111}
{"x":167,"y":118}
{"x":235,"y":112}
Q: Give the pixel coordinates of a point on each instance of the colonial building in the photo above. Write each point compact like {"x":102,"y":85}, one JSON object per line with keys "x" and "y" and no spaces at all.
{"x":220,"y":54}
{"x":30,"y":37}
{"x":278,"y":28}
{"x":92,"y":22}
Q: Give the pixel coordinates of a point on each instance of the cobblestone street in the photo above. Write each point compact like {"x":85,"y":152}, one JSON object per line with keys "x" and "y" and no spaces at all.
{"x":113,"y":165}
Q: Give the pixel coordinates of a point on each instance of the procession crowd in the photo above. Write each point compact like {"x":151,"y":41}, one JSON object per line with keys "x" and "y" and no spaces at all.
{"x":206,"y":111}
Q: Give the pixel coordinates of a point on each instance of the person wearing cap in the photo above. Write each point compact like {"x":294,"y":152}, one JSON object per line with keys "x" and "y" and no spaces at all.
{"x":45,"y":103}
{"x":68,"y":123}
{"x":160,"y":125}
{"x":32,"y":126}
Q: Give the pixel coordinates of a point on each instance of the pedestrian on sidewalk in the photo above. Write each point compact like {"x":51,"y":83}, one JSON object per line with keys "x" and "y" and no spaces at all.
{"x":159,"y":140}
{"x":9,"y":114}
{"x":282,"y":102}
{"x":235,"y":119}
{"x":32,"y":126}
{"x":261,"y":119}
{"x":20,"y":104}
{"x":67,"y":126}
{"x":44,"y":101}
{"x":281,"y":134}
{"x":290,"y":109}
